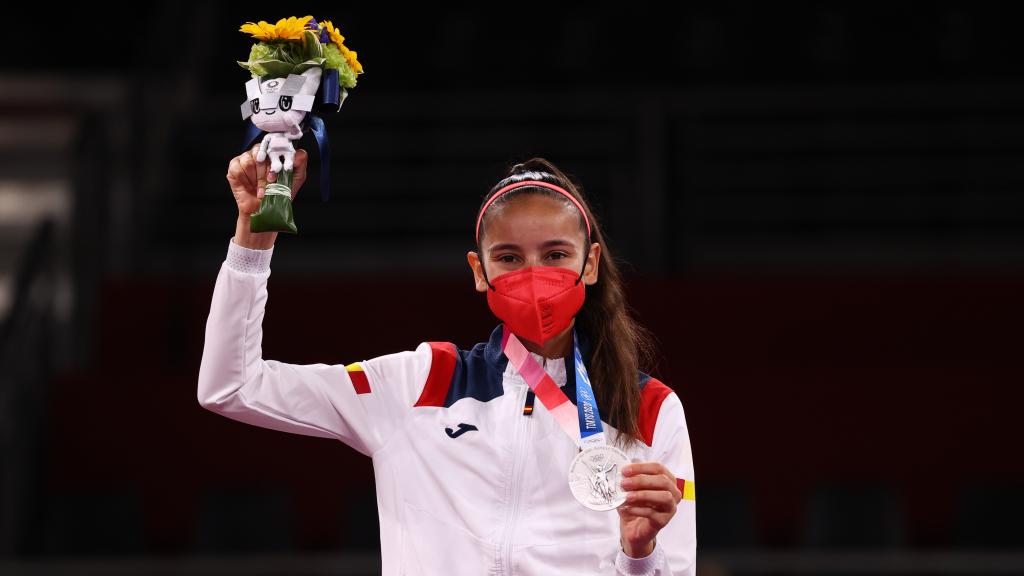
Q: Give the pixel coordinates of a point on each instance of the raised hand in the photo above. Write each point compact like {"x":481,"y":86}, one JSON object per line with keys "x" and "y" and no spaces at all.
{"x":248,"y":179}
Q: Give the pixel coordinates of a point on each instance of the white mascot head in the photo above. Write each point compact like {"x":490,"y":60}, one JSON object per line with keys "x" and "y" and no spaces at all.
{"x":280,"y":104}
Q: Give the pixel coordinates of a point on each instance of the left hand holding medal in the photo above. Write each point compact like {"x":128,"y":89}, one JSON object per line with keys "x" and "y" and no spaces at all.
{"x":651,"y":498}
{"x":647,"y":494}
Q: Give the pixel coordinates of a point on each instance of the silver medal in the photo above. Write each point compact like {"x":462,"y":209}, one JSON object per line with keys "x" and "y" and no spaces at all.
{"x":594,"y":477}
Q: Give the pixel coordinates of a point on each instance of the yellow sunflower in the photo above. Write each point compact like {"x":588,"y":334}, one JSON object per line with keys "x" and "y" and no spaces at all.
{"x":350,"y":57}
{"x":338,"y":39}
{"x":333,"y":32}
{"x":290,"y":28}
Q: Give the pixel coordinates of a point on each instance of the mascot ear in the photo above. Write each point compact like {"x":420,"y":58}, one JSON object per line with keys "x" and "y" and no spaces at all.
{"x":312,"y":83}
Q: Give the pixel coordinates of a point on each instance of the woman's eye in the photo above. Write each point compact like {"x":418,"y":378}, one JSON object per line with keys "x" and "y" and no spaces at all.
{"x":508,"y":258}
{"x":558,"y":255}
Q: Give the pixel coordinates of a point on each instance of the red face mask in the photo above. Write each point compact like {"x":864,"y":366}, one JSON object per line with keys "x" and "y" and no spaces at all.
{"x":538,"y":302}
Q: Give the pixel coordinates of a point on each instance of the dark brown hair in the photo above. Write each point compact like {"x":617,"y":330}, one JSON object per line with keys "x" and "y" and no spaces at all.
{"x":619,"y":346}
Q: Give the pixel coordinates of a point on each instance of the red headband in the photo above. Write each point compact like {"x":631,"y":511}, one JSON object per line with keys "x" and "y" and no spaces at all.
{"x":547,"y":185}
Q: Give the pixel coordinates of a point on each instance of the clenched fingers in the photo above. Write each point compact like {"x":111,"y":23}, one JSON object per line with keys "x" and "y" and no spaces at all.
{"x":659,"y":500}
{"x":650,"y":476}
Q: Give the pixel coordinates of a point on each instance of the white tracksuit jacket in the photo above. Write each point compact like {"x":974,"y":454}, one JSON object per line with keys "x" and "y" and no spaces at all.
{"x":467,"y":484}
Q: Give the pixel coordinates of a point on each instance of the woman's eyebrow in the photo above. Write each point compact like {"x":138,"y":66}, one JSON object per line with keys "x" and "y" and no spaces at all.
{"x":546,"y":244}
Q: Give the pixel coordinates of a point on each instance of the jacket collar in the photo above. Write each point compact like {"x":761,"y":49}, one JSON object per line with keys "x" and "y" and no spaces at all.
{"x":497,"y":360}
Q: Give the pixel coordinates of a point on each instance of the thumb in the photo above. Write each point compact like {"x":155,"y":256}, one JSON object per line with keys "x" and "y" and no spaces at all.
{"x":299,"y":170}
{"x":261,"y":173}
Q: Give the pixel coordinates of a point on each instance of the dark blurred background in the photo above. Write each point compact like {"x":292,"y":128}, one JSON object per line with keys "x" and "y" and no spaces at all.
{"x":820,"y":205}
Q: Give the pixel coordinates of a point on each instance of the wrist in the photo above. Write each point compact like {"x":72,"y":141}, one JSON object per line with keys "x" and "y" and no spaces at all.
{"x":253,"y":240}
{"x":641,"y":565}
{"x":637,"y":550}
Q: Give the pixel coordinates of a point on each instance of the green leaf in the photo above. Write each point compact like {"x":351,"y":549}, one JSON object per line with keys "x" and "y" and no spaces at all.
{"x":277,"y":52}
{"x":274,"y":214}
{"x":255,"y":69}
{"x":274,"y":68}
{"x":313,"y":48}
{"x":312,"y":63}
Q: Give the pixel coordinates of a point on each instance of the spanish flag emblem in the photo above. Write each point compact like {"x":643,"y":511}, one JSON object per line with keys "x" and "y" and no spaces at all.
{"x":687,"y":488}
{"x":358,"y":377}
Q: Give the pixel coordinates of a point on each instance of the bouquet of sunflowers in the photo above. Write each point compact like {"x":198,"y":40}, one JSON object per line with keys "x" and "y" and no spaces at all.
{"x":300,"y":68}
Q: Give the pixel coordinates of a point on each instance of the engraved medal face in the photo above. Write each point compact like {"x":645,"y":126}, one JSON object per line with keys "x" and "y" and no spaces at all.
{"x":594,"y":477}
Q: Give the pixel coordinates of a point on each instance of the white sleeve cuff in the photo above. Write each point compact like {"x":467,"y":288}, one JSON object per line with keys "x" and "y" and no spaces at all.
{"x":645,"y":566}
{"x":248,"y":260}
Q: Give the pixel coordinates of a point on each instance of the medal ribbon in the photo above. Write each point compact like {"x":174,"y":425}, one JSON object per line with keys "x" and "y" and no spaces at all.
{"x":589,"y":431}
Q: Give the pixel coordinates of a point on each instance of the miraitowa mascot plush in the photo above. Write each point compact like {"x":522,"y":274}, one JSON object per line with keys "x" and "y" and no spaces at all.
{"x":300,"y":69}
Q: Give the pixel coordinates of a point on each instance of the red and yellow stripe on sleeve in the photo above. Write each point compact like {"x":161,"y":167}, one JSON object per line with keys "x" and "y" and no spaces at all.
{"x":358,"y":377}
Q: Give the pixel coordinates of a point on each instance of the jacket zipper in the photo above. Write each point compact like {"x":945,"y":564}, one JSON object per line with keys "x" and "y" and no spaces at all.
{"x":523,"y":430}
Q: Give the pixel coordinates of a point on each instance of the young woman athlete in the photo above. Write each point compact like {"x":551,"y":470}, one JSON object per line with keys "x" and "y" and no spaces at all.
{"x":542,"y":450}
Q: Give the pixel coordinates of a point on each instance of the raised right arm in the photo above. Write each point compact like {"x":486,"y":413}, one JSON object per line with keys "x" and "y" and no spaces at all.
{"x":359,"y":404}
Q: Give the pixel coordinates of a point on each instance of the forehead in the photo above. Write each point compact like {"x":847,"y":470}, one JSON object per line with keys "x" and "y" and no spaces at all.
{"x":531,"y":219}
